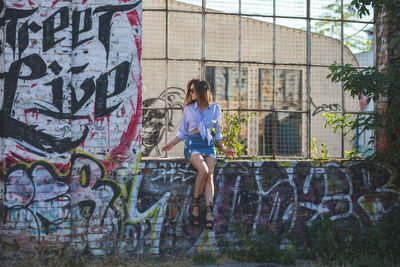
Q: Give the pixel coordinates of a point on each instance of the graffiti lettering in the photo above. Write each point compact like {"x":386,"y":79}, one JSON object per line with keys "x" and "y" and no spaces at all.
{"x":149,"y":214}
{"x":87,"y":26}
{"x":325,"y":108}
{"x":105,"y":21}
{"x":13,"y":15}
{"x":68,"y":68}
{"x":46,"y":193}
{"x":38,"y":68}
{"x":49,"y":30}
{"x":121,"y":78}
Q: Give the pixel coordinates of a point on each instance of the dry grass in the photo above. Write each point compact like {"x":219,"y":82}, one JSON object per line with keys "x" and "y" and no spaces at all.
{"x":39,"y":258}
{"x":70,"y":257}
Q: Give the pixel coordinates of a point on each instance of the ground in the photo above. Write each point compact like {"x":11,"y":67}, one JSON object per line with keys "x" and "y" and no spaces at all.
{"x":41,"y":259}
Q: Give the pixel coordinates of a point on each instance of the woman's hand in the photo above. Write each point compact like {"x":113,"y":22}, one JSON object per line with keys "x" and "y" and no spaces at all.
{"x":167,"y":147}
{"x":229,"y":152}
{"x":170,"y":145}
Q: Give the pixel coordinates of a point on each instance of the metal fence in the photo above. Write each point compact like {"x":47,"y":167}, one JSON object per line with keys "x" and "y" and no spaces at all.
{"x":269,"y":57}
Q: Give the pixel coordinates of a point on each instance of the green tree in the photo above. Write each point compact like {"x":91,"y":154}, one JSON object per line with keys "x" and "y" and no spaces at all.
{"x":333,"y":28}
{"x":375,"y":84}
{"x":392,"y":7}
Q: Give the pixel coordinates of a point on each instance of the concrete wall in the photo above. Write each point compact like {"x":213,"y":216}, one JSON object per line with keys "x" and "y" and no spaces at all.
{"x":149,"y":213}
{"x":71,"y":113}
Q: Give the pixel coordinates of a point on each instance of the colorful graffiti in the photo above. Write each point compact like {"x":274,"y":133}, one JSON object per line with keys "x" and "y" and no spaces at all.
{"x":44,"y":200}
{"x":149,"y":213}
{"x":53,"y":104}
{"x":289,"y":196}
{"x":71,"y":170}
{"x":70,"y":119}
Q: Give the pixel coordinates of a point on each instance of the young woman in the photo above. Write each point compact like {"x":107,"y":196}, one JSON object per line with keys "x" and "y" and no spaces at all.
{"x":200,"y":115}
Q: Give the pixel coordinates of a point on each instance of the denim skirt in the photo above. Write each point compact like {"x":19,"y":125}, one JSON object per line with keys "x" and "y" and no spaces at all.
{"x":195,"y":144}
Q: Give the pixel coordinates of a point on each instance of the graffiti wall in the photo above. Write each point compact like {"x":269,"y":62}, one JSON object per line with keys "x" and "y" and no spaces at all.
{"x":287,"y":195}
{"x":70,"y":118}
{"x":70,"y":169}
{"x":150,"y":213}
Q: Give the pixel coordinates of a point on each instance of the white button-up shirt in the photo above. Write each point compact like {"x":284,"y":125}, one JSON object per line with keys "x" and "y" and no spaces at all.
{"x":193,"y":118}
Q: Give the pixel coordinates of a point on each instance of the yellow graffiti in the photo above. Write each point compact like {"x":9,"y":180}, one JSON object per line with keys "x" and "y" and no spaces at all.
{"x":369,"y":206}
{"x":60,"y":174}
{"x":153,"y":230}
{"x":83,"y":178}
{"x":285,"y":163}
{"x":134,"y":180}
{"x":85,"y":211}
{"x":392,"y":181}
{"x":206,"y":240}
{"x":315,"y":163}
{"x":55,"y":169}
{"x":134,"y":216}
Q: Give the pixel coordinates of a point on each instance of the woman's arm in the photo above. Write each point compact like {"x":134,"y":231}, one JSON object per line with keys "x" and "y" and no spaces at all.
{"x":181,"y":135}
{"x":171,"y":144}
{"x":217,"y":126}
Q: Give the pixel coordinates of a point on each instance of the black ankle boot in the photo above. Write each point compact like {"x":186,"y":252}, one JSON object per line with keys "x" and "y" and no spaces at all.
{"x":195,"y":219}
{"x":209,"y":224}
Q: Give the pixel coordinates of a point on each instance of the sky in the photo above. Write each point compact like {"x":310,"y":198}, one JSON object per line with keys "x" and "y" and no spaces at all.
{"x":264,"y":7}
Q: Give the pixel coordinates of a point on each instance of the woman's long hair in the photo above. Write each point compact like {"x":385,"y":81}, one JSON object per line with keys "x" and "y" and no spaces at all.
{"x":203,"y":91}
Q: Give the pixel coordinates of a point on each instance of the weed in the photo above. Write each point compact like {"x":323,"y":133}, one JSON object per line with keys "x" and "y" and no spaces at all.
{"x":378,"y":244}
{"x":373,"y":84}
{"x":314,"y":150}
{"x":204,"y":259}
{"x":324,"y":151}
{"x":260,"y":245}
{"x":322,"y":237}
{"x":256,"y":158}
{"x":230,"y":132}
{"x":352,"y":154}
{"x":73,"y":257}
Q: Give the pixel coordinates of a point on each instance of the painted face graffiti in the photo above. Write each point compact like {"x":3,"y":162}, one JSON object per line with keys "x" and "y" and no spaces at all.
{"x":153,"y":120}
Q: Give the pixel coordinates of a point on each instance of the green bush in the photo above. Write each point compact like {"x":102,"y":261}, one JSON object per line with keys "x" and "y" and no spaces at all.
{"x":324,"y":241}
{"x":230,"y":132}
{"x":261,"y":245}
{"x":378,"y":243}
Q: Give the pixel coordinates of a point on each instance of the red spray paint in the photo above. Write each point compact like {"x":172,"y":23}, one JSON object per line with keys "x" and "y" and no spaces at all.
{"x":54,"y":3}
{"x":120,"y":153}
{"x":134,"y":20}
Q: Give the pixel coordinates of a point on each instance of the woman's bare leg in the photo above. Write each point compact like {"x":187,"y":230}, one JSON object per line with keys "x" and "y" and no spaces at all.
{"x":200,"y":165}
{"x":209,"y":184}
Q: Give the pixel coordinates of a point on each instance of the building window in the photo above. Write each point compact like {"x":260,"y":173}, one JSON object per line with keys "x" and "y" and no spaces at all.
{"x":272,"y":57}
{"x":224,"y":83}
{"x":280,"y":128}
